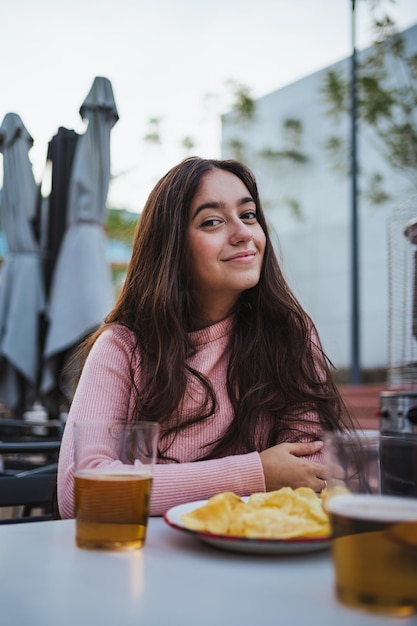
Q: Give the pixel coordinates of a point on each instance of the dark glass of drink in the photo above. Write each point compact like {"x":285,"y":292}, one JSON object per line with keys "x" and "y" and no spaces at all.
{"x":398,"y":462}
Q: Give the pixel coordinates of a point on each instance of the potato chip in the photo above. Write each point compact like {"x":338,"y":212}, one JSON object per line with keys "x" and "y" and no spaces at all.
{"x":282,"y":514}
{"x":214,"y":516}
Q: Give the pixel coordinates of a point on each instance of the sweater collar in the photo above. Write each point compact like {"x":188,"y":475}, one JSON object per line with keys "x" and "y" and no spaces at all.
{"x":213,"y":332}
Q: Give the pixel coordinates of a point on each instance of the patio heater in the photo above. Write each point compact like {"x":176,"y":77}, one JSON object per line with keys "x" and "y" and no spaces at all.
{"x":398,"y":405}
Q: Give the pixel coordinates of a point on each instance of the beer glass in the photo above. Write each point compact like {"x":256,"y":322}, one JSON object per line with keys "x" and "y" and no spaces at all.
{"x":372,"y":503}
{"x":114,"y":464}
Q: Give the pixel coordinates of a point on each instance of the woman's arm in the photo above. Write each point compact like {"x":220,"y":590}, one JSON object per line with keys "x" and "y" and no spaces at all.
{"x":185,"y":482}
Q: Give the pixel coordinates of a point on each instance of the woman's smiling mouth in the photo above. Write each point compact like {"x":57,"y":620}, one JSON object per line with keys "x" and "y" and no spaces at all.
{"x":246,"y":256}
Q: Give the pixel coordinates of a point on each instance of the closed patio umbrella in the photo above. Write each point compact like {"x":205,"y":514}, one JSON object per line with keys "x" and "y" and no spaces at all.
{"x":22,"y":298}
{"x":81,"y":291}
{"x":60,"y":156}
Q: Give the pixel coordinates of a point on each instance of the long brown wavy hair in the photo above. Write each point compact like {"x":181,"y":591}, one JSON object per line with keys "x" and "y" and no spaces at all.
{"x":275,"y":373}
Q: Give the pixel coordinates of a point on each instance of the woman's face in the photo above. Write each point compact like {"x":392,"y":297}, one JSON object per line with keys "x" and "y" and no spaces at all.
{"x":225,"y":241}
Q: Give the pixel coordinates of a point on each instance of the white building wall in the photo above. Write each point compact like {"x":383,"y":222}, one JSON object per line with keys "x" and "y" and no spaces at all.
{"x":315,"y":251}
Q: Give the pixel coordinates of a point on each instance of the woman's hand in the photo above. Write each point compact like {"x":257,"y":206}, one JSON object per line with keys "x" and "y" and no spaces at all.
{"x":285,"y":465}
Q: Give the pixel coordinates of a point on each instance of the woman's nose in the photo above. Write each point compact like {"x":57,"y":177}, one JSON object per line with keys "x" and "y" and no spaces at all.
{"x":240,"y":232}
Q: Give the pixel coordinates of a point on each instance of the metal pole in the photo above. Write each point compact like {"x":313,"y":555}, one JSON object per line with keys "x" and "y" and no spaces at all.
{"x":355,"y":373}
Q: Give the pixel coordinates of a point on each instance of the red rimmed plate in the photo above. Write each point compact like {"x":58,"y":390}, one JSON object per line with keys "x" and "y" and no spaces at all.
{"x":244,"y":544}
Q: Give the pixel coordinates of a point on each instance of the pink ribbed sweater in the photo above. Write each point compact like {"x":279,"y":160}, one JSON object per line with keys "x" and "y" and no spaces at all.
{"x":105,"y":393}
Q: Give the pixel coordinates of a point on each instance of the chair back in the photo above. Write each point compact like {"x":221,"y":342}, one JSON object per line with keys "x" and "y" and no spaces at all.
{"x":33,"y":493}
{"x":28,"y":473}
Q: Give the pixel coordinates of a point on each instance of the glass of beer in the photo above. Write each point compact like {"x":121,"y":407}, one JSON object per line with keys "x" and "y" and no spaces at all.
{"x":372,"y":503}
{"x":113,"y":471}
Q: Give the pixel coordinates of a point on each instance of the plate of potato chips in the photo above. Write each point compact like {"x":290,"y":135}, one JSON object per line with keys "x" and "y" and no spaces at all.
{"x":286,"y":521}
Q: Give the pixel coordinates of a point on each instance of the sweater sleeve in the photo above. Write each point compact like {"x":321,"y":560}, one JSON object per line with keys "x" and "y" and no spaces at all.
{"x":185,"y":482}
{"x":104,"y":393}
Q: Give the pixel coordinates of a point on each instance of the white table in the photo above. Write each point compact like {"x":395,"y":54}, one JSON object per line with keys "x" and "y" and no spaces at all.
{"x":45,"y":580}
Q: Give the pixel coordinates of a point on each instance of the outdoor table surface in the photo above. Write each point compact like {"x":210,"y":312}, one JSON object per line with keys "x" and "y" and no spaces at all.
{"x":175,"y":579}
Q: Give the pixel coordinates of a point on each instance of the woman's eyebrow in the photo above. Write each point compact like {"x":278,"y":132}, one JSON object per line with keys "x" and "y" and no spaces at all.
{"x":220,"y":205}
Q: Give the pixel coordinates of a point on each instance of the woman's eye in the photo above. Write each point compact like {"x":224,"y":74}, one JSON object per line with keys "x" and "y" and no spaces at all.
{"x":249,"y":215}
{"x":210,"y":222}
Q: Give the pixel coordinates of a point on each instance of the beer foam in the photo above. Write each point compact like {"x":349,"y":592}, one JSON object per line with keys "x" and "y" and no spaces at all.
{"x":374,"y":507}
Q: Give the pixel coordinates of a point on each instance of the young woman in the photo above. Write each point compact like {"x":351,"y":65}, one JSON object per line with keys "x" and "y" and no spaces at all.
{"x":207,"y":339}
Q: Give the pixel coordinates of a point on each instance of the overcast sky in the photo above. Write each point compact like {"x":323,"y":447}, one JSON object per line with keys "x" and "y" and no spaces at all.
{"x":169,"y":59}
